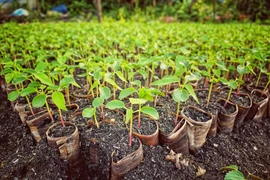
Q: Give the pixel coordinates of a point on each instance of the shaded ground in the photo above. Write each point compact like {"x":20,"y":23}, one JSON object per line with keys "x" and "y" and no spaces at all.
{"x":21,"y":158}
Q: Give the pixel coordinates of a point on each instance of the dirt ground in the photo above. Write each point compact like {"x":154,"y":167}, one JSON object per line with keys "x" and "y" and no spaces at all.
{"x":21,"y":158}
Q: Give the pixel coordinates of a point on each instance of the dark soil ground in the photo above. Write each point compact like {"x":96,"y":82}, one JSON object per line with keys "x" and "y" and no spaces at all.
{"x":22,"y":158}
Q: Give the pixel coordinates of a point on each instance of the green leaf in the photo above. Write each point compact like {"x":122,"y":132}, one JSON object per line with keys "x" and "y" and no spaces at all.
{"x":34,"y":84}
{"x":143,"y":73}
{"x":12,"y":96}
{"x":229,"y":168}
{"x":110,"y":81}
{"x":68,"y":80}
{"x":241,"y":69}
{"x":18,"y":80}
{"x":234,"y":175}
{"x":192,"y":77}
{"x":43,"y":78}
{"x":216,"y":72}
{"x":28,"y":91}
{"x":129,"y":114}
{"x":59,"y":100}
{"x":126,"y":92}
{"x":105,"y":92}
{"x":95,"y":84}
{"x":191,"y":92}
{"x":137,"y":101}
{"x":41,"y":66}
{"x":39,"y":100}
{"x":120,"y":75}
{"x":152,"y":112}
{"x":136,"y":82}
{"x":233,"y":84}
{"x":9,"y":77}
{"x":88,"y":112}
{"x":165,"y":80}
{"x":97,"y":102}
{"x":115,"y":104}
{"x":180,"y":95}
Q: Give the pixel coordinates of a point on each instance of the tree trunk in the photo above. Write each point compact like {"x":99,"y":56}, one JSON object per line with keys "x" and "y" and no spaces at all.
{"x":99,"y":11}
{"x":191,"y":5}
{"x":154,"y":3}
{"x":214,"y":10}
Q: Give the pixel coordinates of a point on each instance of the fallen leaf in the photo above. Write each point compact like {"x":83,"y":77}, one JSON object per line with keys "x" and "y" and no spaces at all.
{"x":200,"y":171}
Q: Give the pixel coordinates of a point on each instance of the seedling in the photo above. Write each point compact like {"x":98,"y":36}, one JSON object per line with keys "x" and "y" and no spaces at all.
{"x":234,"y":174}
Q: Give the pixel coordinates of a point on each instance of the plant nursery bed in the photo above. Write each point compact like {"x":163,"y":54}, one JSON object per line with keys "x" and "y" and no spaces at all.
{"x":22,"y":158}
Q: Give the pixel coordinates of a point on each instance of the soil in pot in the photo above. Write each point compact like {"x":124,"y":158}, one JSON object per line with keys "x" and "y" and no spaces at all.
{"x":240,"y":99}
{"x":196,"y":115}
{"x":59,"y":131}
{"x":148,"y":126}
{"x":228,"y":109}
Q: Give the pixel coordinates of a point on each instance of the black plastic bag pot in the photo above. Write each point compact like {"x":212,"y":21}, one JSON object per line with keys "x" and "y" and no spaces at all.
{"x":177,"y":139}
{"x":37,"y":124}
{"x":69,"y":145}
{"x":257,"y":109}
{"x":242,"y":110}
{"x":197,"y":130}
{"x":226,"y":121}
{"x":129,"y":162}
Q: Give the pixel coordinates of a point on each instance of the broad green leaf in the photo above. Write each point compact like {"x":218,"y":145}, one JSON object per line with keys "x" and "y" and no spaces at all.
{"x":152,"y":112}
{"x":115,"y":104}
{"x":180,"y":95}
{"x":88,"y":112}
{"x":166,"y":80}
{"x":34,"y":84}
{"x":137,"y":101}
{"x":97,"y":102}
{"x":105,"y":92}
{"x":68,"y":80}
{"x":120,"y":75}
{"x":18,"y":80}
{"x":39,"y":100}
{"x":233,"y":84}
{"x":142,"y":72}
{"x":241,"y":69}
{"x":28,"y":91}
{"x":234,"y":175}
{"x":126,"y":92}
{"x":229,"y":168}
{"x":9,"y":77}
{"x":12,"y":96}
{"x":5,"y":71}
{"x":216,"y":72}
{"x":59,"y":100}
{"x":136,"y":82}
{"x":192,"y":77}
{"x":43,"y":78}
{"x":191,"y":92}
{"x":41,"y":66}
{"x":110,"y":81}
{"x":129,"y":114}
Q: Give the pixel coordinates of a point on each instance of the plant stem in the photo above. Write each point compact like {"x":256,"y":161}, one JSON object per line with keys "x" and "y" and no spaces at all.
{"x":61,"y":117}
{"x":95,"y":119}
{"x":139,"y":116}
{"x":258,"y":79}
{"x":265,"y":87}
{"x":177,"y":113}
{"x":102,"y":111}
{"x":130,"y":131}
{"x":229,"y":95}
{"x":49,"y":111}
{"x":29,"y":104}
{"x":67,"y":96}
{"x":209,"y":93}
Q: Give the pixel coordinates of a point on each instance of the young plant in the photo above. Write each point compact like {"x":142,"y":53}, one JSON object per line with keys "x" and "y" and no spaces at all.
{"x":234,"y":174}
{"x":105,"y":93}
{"x":150,"y":111}
{"x":232,"y":84}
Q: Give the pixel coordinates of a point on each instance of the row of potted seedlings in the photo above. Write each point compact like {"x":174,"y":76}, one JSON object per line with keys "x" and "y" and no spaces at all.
{"x":224,"y":95}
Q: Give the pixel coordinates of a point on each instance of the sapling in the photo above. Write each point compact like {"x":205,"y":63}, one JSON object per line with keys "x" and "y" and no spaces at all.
{"x":105,"y":93}
{"x":234,"y":174}
{"x":150,"y":111}
{"x":232,"y":84}
{"x":59,"y":100}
